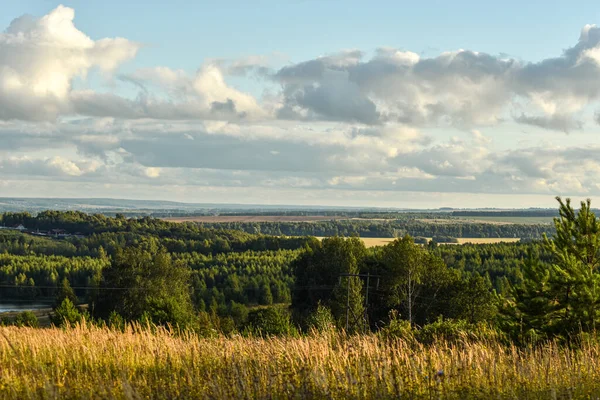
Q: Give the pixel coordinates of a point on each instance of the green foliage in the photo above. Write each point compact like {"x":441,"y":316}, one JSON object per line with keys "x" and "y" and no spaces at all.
{"x":26,"y":318}
{"x":115,"y":321}
{"x":145,"y":281}
{"x":455,"y":331}
{"x":397,"y":328}
{"x":67,"y":314}
{"x":271,"y":321}
{"x":318,"y":281}
{"x":65,"y":291}
{"x":321,"y":320}
{"x":560,"y":298}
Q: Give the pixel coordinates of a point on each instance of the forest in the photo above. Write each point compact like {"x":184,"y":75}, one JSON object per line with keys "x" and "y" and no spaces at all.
{"x":389,"y":228}
{"x":212,"y":279}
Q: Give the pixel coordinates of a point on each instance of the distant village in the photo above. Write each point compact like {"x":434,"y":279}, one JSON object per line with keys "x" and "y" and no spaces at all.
{"x":53,"y":233}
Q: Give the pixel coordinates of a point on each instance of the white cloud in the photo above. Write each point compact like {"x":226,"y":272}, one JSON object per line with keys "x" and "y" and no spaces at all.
{"x":39,"y":58}
{"x":347,"y":122}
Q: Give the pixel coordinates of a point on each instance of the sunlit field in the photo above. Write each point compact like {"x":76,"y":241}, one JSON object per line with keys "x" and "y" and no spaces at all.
{"x":90,"y":362}
{"x":372,"y":242}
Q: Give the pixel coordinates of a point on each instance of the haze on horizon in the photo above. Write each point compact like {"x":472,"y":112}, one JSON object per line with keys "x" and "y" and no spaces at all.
{"x":376,"y":104}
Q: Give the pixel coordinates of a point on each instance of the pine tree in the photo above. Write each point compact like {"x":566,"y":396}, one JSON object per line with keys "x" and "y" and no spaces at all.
{"x":65,"y":291}
{"x":563,"y":298}
{"x":576,"y":252}
{"x":533,"y":307}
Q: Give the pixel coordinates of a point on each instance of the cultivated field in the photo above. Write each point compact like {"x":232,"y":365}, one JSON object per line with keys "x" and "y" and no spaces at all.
{"x":254,"y":218}
{"x":487,"y":240}
{"x":372,"y":242}
{"x":90,"y":362}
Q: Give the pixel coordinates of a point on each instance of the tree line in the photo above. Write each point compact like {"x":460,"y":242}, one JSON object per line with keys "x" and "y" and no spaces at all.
{"x":388,"y":228}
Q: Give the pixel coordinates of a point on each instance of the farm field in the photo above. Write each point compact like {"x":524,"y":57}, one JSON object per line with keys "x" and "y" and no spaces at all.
{"x":372,"y":242}
{"x":487,"y":240}
{"x":92,"y":362}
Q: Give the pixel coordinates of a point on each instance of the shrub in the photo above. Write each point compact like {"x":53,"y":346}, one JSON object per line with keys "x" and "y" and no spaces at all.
{"x":321,"y":319}
{"x":67,"y":314}
{"x":271,"y":321}
{"x":116,"y":321}
{"x":27,"y":318}
{"x":397,"y":328}
{"x":456,"y":331}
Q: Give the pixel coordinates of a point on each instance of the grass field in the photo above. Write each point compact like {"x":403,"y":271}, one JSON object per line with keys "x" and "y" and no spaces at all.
{"x":90,"y":362}
{"x":372,"y":242}
{"x":487,"y":240}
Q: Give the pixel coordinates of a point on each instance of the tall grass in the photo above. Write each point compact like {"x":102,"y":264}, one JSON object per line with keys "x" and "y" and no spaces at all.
{"x":94,"y":362}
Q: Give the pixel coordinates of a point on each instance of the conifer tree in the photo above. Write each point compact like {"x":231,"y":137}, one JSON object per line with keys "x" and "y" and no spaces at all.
{"x":576,"y":252}
{"x":562,"y":298}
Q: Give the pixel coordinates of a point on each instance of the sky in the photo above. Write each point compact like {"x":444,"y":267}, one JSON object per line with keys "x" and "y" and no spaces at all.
{"x":348,"y":103}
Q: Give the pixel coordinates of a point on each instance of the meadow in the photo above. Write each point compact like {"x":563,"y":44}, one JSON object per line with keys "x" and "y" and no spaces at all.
{"x":94,"y":362}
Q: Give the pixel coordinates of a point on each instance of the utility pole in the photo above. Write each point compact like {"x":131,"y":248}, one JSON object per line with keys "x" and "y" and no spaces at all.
{"x":365,"y":316}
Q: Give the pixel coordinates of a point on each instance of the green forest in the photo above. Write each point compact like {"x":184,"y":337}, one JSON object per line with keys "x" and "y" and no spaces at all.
{"x":396,"y":227}
{"x":113,"y":270}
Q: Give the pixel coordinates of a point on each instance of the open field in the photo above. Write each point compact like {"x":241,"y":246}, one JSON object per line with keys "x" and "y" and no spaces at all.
{"x":254,"y":218}
{"x":507,"y":220}
{"x":487,"y":240}
{"x":372,"y":242}
{"x":90,"y":362}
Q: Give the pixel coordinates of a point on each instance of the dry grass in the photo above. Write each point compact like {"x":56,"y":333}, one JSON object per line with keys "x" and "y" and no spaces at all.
{"x":90,"y":362}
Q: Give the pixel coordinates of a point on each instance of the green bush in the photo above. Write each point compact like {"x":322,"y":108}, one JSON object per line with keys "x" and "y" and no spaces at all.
{"x":115,"y":321}
{"x":397,"y":328}
{"x":67,"y":314}
{"x":321,"y":320}
{"x":456,"y":331}
{"x":271,"y":321}
{"x":26,"y":318}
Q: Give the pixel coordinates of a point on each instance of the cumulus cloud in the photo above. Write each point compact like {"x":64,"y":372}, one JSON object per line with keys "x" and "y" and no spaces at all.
{"x":39,"y":58}
{"x":460,"y":88}
{"x":391,"y":121}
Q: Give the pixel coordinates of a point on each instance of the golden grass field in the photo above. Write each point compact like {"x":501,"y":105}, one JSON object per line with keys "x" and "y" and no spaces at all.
{"x":372,"y":242}
{"x":92,"y":362}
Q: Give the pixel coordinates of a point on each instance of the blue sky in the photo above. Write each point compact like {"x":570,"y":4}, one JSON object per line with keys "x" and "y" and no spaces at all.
{"x":388,"y":103}
{"x":182,"y":33}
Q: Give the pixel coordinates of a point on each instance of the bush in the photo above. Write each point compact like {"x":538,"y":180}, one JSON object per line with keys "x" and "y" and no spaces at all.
{"x":67,"y":314}
{"x":397,"y":328}
{"x":455,"y":331}
{"x":26,"y":318}
{"x":115,"y":321}
{"x":271,"y":321}
{"x":321,"y":319}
